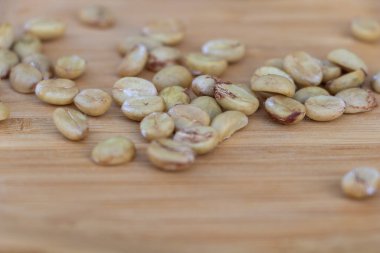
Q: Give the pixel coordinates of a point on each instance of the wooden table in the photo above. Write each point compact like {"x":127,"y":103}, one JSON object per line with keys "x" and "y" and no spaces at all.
{"x":270,"y":188}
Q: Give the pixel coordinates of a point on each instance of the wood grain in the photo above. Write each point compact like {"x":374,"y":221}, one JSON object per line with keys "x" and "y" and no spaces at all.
{"x":270,"y":188}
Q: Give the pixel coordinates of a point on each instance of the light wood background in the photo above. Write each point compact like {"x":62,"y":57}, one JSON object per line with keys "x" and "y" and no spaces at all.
{"x":270,"y":188}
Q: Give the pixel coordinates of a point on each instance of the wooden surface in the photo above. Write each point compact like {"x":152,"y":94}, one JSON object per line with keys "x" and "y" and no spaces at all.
{"x":270,"y":188}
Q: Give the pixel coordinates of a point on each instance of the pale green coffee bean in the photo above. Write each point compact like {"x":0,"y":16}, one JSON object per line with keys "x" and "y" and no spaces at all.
{"x":200,"y":64}
{"x":4,"y":111}
{"x":172,"y":76}
{"x":303,"y":94}
{"x":170,"y":155}
{"x":129,"y":43}
{"x":361,"y":183}
{"x":71,"y":123}
{"x":324,"y":108}
{"x":235,"y":98}
{"x":330,"y":71}
{"x":113,"y":151}
{"x":347,"y":60}
{"x":6,"y":35}
{"x":45,"y":29}
{"x":70,"y":67}
{"x":266,"y":70}
{"x":93,"y":102}
{"x":285,"y":110}
{"x":162,"y":57}
{"x":136,"y":108}
{"x":186,"y":116}
{"x":96,"y":16}
{"x":56,"y":91}
{"x":40,"y":62}
{"x":228,"y":123}
{"x":350,"y":80}
{"x":202,"y":139}
{"x":8,"y":60}
{"x":357,"y":100}
{"x":24,"y":78}
{"x":228,"y":49}
{"x":134,"y":62}
{"x":207,"y":104}
{"x":168,"y":31}
{"x":174,"y":95}
{"x":274,"y":84}
{"x":376,"y":83}
{"x":157,"y":125}
{"x":204,"y":85}
{"x":132,"y":87}
{"x":303,"y":68}
{"x":365,"y":29}
{"x":275,"y":62}
{"x":26,"y":45}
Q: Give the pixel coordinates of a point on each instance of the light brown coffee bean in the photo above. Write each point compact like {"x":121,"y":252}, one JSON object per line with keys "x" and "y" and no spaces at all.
{"x":324,"y":108}
{"x":174,"y":95}
{"x":200,"y":64}
{"x":26,"y":45}
{"x":97,"y":16}
{"x":172,"y":76}
{"x":134,"y":62}
{"x":40,"y":62}
{"x":303,"y":94}
{"x":330,"y":71}
{"x":202,"y":139}
{"x":45,"y":29}
{"x":24,"y":78}
{"x":274,"y":84}
{"x":4,"y":111}
{"x":361,"y":183}
{"x":6,"y":35}
{"x":357,"y":100}
{"x":93,"y":102}
{"x":168,"y":31}
{"x":186,"y":116}
{"x":228,"y":49}
{"x":128,"y":44}
{"x":136,"y":108}
{"x":70,"y":67}
{"x":303,"y":68}
{"x":285,"y":110}
{"x":169,"y":155}
{"x":207,"y":104}
{"x":56,"y":91}
{"x":235,"y":98}
{"x":275,"y":62}
{"x":350,"y":80}
{"x":114,"y":151}
{"x":204,"y":85}
{"x":347,"y":60}
{"x":266,"y":70}
{"x":71,"y":123}
{"x":157,"y":125}
{"x":162,"y":57}
{"x":8,"y":60}
{"x":365,"y":29}
{"x":132,"y":87}
{"x":228,"y":123}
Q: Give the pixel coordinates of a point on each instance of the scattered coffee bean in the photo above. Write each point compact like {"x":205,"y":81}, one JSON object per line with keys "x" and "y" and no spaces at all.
{"x":361,"y":183}
{"x":113,"y":151}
